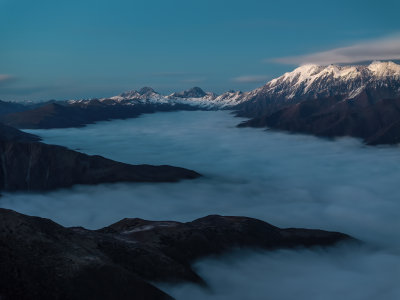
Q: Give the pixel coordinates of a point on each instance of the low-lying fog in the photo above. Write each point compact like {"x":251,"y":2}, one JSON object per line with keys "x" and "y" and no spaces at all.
{"x":287,"y":180}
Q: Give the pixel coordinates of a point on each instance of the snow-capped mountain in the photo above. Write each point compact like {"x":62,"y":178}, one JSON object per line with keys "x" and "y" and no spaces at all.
{"x":360,"y":101}
{"x":194,"y":97}
{"x":143,"y":94}
{"x":379,"y":80}
{"x":312,"y":81}
{"x":331,"y":101}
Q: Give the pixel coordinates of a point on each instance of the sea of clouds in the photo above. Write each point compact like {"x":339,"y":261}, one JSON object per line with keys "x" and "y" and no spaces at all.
{"x":287,"y":180}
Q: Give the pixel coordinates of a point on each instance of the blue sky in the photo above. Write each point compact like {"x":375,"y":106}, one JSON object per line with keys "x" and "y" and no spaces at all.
{"x":94,"y":48}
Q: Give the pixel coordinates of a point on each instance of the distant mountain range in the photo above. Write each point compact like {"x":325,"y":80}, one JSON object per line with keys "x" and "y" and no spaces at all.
{"x":322,"y":100}
{"x":195,"y":97}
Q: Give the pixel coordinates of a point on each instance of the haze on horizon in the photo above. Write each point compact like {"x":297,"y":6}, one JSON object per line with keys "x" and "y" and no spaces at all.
{"x":83,"y":49}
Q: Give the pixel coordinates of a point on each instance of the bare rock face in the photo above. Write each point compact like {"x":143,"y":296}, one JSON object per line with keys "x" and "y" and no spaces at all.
{"x":40,"y":259}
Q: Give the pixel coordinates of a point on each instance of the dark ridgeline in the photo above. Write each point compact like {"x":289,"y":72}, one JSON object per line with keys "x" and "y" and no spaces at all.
{"x":64,"y":115}
{"x":27,"y":164}
{"x":40,"y":259}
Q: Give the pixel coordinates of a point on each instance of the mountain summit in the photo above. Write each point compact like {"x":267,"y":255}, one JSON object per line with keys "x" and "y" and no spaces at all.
{"x":194,"y":92}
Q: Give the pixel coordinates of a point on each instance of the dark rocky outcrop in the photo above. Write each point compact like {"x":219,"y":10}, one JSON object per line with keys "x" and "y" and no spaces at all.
{"x":37,"y":166}
{"x":26,"y":164}
{"x":40,"y":259}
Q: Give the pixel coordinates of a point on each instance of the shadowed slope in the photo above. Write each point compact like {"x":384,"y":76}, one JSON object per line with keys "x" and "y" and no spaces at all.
{"x":26,"y":164}
{"x":40,"y":259}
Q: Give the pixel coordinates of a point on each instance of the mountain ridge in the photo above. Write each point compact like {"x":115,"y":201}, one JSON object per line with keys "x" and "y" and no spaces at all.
{"x":365,"y":85}
{"x":123,"y":260}
{"x":27,"y":164}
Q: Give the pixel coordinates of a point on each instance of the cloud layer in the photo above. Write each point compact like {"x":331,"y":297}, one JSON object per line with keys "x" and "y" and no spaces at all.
{"x":287,"y":180}
{"x":380,"y":49}
{"x":329,"y":274}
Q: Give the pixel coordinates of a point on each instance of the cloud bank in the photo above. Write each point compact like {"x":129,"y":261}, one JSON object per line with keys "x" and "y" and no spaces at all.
{"x":287,"y":180}
{"x":379,"y":49}
{"x":345,"y":272}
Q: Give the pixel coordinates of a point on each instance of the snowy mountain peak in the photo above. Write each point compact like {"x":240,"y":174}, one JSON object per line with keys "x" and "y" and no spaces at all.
{"x":194,"y":92}
{"x":311,"y":72}
{"x":311,"y":81}
{"x":143,"y":93}
{"x":147,"y":91}
{"x":382,"y":69}
{"x":129,"y":94}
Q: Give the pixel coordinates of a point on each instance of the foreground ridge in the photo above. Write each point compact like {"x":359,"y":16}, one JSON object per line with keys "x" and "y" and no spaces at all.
{"x":43,"y":260}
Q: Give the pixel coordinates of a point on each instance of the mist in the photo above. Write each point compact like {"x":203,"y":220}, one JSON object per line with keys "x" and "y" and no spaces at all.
{"x":339,"y":273}
{"x":287,"y":180}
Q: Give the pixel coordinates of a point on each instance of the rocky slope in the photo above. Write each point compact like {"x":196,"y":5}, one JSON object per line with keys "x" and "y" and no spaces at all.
{"x":40,"y":259}
{"x":26,"y":164}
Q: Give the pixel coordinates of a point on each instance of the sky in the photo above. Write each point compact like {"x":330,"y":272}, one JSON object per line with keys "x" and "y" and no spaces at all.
{"x":98,"y":48}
